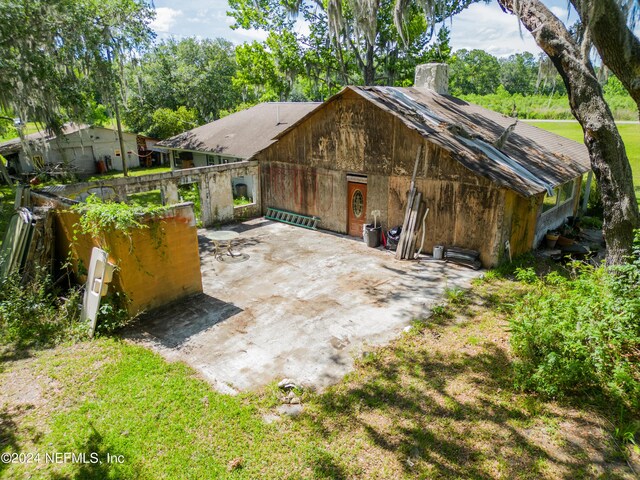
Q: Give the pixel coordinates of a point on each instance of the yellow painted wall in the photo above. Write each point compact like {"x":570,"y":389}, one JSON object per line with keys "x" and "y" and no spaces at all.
{"x":155,"y":266}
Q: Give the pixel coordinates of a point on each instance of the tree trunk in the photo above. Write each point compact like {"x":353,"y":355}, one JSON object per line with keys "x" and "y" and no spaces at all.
{"x":369,"y":69}
{"x":618,"y":47}
{"x":608,"y":157}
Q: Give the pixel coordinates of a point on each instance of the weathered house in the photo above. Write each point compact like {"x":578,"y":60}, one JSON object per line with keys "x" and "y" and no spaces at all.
{"x":80,"y":146}
{"x":234,"y":138}
{"x":356,"y":152}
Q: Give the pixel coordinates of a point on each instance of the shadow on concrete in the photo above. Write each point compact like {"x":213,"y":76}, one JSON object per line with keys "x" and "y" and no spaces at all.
{"x":206,"y":246}
{"x":176,"y":324}
{"x":252,"y":224}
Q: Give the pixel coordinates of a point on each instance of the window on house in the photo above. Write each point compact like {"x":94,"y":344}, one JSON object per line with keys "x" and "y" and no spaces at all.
{"x":562,"y":194}
{"x":550,"y":202}
{"x":211,"y":159}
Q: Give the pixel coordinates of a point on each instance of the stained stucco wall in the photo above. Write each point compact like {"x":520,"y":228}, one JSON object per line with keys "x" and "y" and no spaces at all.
{"x":155,"y":266}
{"x":306,"y":172}
{"x":214,"y":183}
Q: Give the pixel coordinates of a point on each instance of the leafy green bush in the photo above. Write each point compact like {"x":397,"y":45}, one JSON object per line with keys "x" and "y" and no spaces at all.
{"x":239,"y":201}
{"x":98,"y":217}
{"x":113,"y":313}
{"x":581,"y":335}
{"x":33,"y":315}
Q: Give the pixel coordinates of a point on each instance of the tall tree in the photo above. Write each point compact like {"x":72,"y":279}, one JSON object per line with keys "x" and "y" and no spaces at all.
{"x":368,"y":41}
{"x":196,"y":74}
{"x":606,"y":149}
{"x":519,"y":73}
{"x":609,"y":27}
{"x":55,"y":55}
{"x":474,"y":71}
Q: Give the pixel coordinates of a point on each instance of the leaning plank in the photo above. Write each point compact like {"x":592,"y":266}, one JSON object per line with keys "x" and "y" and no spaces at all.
{"x":406,"y":234}
{"x":402,"y":242}
{"x":410,"y":254}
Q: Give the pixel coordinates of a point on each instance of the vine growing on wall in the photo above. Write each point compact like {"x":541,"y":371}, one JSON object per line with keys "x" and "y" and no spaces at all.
{"x":97,"y":218}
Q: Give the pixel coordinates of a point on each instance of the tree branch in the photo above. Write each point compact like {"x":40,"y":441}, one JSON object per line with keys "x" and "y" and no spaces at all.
{"x":609,"y":160}
{"x":618,"y":47}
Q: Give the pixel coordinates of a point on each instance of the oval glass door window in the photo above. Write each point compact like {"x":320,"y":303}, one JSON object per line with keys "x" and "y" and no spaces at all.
{"x":356,"y":203}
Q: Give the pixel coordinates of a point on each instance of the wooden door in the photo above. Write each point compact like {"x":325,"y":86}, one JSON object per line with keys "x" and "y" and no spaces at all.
{"x":357,"y":208}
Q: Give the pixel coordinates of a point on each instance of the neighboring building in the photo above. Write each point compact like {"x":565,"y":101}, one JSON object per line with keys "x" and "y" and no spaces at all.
{"x":234,"y":138}
{"x":150,"y":153}
{"x":356,"y":152}
{"x":81,"y":146}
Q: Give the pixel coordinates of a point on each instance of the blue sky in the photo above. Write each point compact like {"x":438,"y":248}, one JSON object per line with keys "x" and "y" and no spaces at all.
{"x":482,"y":26}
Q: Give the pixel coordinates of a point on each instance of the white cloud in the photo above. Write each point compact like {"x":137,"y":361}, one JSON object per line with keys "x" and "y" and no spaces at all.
{"x":241,"y":35}
{"x":487,"y":27}
{"x":165,"y":19}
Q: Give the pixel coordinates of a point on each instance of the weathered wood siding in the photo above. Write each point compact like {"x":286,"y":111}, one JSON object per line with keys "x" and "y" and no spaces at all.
{"x":306,"y":172}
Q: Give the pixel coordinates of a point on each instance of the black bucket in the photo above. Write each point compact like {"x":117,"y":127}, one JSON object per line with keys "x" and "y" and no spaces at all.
{"x":371,"y":235}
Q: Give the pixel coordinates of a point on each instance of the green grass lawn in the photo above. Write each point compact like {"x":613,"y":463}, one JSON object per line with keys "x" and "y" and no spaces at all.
{"x":438,"y":402}
{"x":152,"y":197}
{"x":11,"y":132}
{"x":133,"y":172}
{"x":630,"y":135}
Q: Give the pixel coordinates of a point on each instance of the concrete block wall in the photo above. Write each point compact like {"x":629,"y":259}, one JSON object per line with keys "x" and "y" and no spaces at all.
{"x":155,"y":266}
{"x":214,"y":182}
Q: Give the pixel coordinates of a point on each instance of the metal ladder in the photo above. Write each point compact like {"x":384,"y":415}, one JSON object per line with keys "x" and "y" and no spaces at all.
{"x":291,"y":218}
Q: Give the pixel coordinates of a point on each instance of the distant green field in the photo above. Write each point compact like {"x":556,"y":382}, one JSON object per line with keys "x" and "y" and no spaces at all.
{"x":630,"y":135}
{"x":11,"y":132}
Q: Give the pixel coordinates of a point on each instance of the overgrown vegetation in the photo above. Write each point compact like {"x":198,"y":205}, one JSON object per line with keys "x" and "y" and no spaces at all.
{"x":239,"y":201}
{"x":34,"y":316}
{"x":191,"y":193}
{"x":7,"y":198}
{"x":98,"y":217}
{"x":438,"y":402}
{"x":579,"y":334}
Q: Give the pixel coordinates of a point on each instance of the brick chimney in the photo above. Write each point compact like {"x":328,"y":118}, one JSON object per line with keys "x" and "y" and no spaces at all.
{"x":433,"y":76}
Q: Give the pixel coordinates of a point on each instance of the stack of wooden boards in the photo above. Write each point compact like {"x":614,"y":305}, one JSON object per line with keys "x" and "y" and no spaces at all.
{"x":407,"y":244}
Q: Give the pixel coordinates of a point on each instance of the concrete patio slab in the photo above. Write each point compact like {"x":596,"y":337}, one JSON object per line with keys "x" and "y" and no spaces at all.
{"x":303,"y":304}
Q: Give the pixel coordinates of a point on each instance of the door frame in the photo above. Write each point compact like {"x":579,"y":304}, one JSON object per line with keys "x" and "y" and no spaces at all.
{"x":355,"y":179}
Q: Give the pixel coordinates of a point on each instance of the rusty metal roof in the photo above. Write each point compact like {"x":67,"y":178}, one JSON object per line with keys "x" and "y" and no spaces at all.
{"x":243,"y":133}
{"x":531,"y":161}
